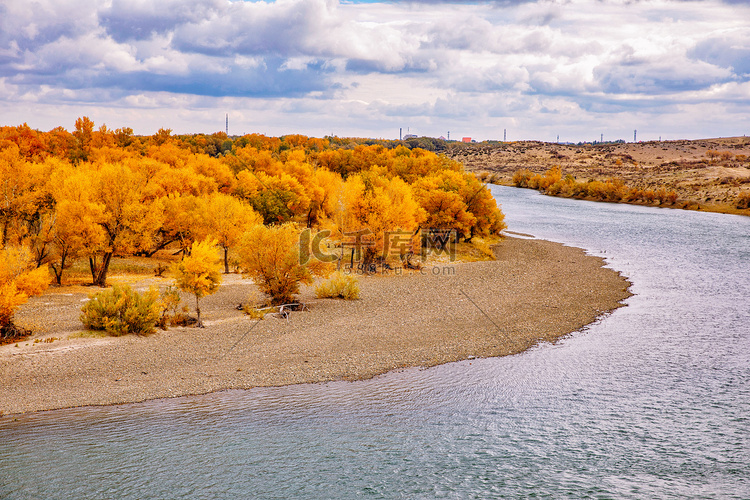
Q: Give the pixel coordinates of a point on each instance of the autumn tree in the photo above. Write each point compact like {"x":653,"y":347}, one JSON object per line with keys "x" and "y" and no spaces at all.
{"x":77,"y":228}
{"x":271,"y":257}
{"x":377,"y":208}
{"x":458,"y":201}
{"x":84,"y":134}
{"x":19,"y":280}
{"x":277,"y":199}
{"x":198,"y":273}
{"x":23,"y":194}
{"x":324,"y":191}
{"x":482,"y":205}
{"x":440,"y":195}
{"x":128,"y":222}
{"x":226,"y":220}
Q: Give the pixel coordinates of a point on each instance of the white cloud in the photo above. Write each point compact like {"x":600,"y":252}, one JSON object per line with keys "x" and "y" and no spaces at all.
{"x":320,"y":64}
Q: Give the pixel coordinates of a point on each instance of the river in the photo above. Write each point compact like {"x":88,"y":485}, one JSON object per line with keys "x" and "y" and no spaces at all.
{"x":651,"y":401}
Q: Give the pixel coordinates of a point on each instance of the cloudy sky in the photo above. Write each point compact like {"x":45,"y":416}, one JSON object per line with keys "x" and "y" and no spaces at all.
{"x":573,"y":68}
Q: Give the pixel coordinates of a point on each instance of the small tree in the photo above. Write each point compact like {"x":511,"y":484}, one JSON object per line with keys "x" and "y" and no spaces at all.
{"x":18,"y":281}
{"x":198,"y":273}
{"x":271,"y":256}
{"x":227,"y":218}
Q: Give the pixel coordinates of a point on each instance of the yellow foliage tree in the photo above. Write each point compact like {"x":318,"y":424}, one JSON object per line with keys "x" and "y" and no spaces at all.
{"x":374,"y":208}
{"x":23,"y":194}
{"x":182,"y":222}
{"x":271,"y":257}
{"x":128,"y":221}
{"x":84,"y":135}
{"x":19,"y":280}
{"x":77,"y":218}
{"x":198,"y":273}
{"x":440,"y":195}
{"x":324,"y":192}
{"x":226,"y":220}
{"x":482,"y":205}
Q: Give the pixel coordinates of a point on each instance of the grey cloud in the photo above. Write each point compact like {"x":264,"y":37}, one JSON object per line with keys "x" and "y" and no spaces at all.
{"x":628,"y":72}
{"x":35,"y":24}
{"x":128,"y":20}
{"x":731,"y":50}
{"x":644,"y":78}
{"x":284,"y":29}
{"x":267,"y":80}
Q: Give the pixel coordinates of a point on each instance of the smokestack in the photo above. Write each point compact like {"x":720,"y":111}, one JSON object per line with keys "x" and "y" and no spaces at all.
{"x":399,"y":133}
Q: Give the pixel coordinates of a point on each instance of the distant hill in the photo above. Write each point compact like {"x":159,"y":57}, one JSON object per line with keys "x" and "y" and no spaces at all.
{"x":707,"y":174}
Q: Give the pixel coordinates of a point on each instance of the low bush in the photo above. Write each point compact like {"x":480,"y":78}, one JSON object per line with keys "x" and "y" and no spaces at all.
{"x":122,"y":310}
{"x":522,"y":177}
{"x":743,"y":200}
{"x":340,"y":285}
{"x":171,"y":314}
{"x":484,"y":247}
{"x":255,"y":312}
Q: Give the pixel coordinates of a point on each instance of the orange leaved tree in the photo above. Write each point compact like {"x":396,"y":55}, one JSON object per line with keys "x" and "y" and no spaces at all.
{"x":198,"y":273}
{"x":227,"y":219}
{"x":270,"y":255}
{"x":18,"y":281}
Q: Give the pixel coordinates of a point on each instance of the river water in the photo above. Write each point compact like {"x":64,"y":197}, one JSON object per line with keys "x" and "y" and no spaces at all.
{"x":651,"y":401}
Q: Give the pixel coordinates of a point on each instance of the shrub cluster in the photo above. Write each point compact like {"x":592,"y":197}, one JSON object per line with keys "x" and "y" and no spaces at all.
{"x":122,"y":310}
{"x":171,"y":314}
{"x":553,"y":183}
{"x":340,"y":285}
{"x":743,"y":200}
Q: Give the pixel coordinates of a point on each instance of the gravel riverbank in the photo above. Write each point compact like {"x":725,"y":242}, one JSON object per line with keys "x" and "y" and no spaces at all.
{"x":536,"y":291}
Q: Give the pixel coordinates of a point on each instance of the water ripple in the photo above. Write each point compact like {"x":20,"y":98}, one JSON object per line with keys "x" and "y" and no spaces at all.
{"x":651,"y":401}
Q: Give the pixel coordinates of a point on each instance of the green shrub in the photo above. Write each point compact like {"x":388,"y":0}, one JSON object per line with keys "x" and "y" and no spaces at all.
{"x":121,"y":310}
{"x":340,"y":285}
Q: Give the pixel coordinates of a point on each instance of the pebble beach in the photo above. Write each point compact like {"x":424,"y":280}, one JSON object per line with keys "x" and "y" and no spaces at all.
{"x":534,"y":292}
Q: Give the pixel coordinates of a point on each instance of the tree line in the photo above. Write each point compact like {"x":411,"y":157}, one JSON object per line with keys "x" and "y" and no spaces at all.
{"x":95,"y":193}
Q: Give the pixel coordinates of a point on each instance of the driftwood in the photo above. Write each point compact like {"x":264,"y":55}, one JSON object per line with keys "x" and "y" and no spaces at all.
{"x":283,"y":309}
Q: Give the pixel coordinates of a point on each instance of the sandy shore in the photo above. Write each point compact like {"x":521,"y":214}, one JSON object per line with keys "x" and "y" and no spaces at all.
{"x":537,"y":291}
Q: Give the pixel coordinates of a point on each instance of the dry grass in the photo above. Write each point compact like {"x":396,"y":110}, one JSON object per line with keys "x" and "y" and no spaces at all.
{"x":339,"y":286}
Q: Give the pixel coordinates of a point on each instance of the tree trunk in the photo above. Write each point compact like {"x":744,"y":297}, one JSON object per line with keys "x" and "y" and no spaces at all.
{"x":199,"y":324}
{"x":5,"y":232}
{"x":58,"y":273}
{"x":226,"y":260}
{"x":100,"y":275}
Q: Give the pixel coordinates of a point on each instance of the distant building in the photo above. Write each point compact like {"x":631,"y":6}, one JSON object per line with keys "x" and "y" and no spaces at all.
{"x":441,"y":138}
{"x":410,"y":136}
{"x":466,"y":139}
